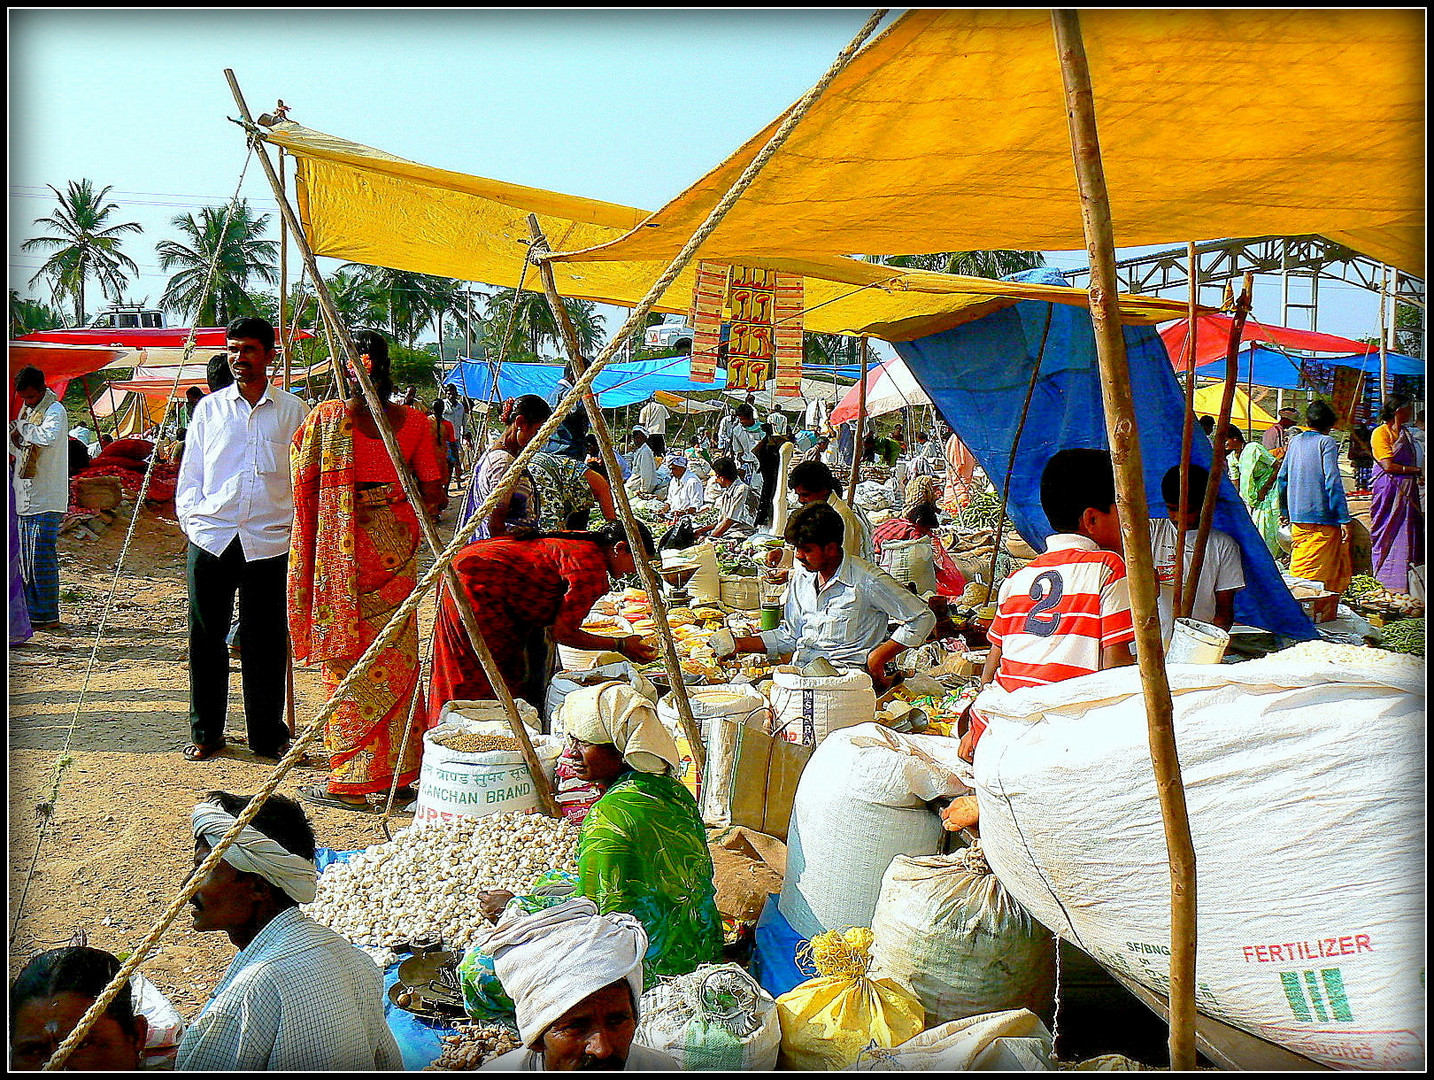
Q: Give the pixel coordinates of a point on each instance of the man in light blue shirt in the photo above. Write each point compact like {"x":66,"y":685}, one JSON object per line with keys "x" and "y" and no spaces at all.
{"x":1311,"y":493}
{"x":841,"y":607}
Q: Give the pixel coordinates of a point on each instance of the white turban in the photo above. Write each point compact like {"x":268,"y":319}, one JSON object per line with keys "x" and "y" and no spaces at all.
{"x":255,"y":853}
{"x":550,"y":961}
{"x":613,"y":712}
{"x":676,"y":460}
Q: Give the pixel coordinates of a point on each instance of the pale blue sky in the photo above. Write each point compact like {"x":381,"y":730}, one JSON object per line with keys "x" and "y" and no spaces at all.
{"x":626,"y":106}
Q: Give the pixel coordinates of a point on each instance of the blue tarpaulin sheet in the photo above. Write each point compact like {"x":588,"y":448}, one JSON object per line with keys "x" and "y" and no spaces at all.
{"x":1264,"y":366}
{"x":977,"y":375}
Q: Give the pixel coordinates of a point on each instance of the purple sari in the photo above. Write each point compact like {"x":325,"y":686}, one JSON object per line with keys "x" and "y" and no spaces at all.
{"x":20,"y":629}
{"x":1396,"y":522}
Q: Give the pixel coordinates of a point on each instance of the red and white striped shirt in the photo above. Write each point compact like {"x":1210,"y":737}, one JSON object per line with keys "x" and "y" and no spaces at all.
{"x":1055,"y":615}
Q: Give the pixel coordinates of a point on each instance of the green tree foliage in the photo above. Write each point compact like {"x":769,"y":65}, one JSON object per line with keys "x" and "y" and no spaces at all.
{"x":231,"y":239}
{"x":533,"y":324}
{"x":986,"y":264}
{"x":402,"y":303}
{"x":84,"y":246}
{"x":28,"y":316}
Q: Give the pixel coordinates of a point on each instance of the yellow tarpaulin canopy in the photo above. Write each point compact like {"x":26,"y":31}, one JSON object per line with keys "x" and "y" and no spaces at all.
{"x":1207,"y":403}
{"x":949,"y":133}
{"x":363,"y":205}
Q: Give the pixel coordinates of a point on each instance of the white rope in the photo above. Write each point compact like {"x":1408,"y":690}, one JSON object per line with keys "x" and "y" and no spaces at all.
{"x":62,"y":763}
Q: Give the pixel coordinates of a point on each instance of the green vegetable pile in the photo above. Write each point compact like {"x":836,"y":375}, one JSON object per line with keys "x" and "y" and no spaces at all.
{"x":1405,"y":636}
{"x":982,"y":512}
{"x":1363,"y":586}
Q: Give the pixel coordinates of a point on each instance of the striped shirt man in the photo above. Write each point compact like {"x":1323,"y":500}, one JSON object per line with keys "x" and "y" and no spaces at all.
{"x":1055,"y":615}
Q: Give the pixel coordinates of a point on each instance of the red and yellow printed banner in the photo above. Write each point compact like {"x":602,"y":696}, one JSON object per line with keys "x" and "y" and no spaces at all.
{"x":763,"y":310}
{"x":709,"y":298}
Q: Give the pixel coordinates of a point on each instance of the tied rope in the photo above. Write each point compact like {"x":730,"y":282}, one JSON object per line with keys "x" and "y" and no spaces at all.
{"x":636,"y":317}
{"x":46,"y":810}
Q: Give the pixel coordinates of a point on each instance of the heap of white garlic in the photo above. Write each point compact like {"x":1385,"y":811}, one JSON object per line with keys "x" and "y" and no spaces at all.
{"x":423,"y":884}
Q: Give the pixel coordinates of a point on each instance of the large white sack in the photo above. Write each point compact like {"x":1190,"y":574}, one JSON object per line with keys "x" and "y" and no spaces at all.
{"x":1012,"y":1041}
{"x":860,"y":803}
{"x":716,"y":1018}
{"x":1304,"y":780}
{"x":950,"y":931}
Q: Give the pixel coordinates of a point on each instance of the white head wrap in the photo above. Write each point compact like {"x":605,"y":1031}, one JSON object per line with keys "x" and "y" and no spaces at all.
{"x":551,"y":960}
{"x":255,"y":853}
{"x":675,"y":460}
{"x":613,"y":712}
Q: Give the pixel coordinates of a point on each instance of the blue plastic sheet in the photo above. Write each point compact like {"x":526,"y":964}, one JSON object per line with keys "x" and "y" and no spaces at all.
{"x":616,"y":384}
{"x":977,"y":375}
{"x":774,"y":951}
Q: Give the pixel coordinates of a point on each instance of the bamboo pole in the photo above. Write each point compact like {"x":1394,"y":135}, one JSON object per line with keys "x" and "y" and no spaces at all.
{"x":650,"y":580}
{"x":284,"y":277}
{"x":1135,"y":528}
{"x":461,"y":600}
{"x":859,"y":442}
{"x":1187,"y":431}
{"x":1217,"y":459}
{"x":1383,"y":344}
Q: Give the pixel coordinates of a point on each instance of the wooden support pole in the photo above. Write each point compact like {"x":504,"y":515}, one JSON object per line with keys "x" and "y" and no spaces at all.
{"x":1383,"y":341}
{"x":462,"y":601}
{"x":650,"y":579}
{"x":1217,"y":459}
{"x":1135,"y":528}
{"x":1187,"y":431}
{"x":859,"y":442}
{"x":284,"y":278}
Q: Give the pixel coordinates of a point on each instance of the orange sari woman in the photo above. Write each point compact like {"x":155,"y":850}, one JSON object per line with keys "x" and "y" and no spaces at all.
{"x":352,"y":562}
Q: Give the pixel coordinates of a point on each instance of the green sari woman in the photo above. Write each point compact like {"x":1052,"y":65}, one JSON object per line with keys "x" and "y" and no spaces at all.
{"x":1257,"y":468}
{"x":642,"y":848}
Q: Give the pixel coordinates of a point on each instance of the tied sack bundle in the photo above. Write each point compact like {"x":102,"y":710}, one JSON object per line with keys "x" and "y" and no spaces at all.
{"x":949,"y":930}
{"x":716,"y":1018}
{"x":1013,"y":1041}
{"x":829,"y":1020}
{"x":1304,"y":776}
{"x":864,"y":799}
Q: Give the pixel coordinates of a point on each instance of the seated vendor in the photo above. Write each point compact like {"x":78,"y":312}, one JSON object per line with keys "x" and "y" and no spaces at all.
{"x":734,"y":515}
{"x":1222,"y":573}
{"x":297,"y":996}
{"x":1067,"y":612}
{"x":53,"y":991}
{"x":576,"y":977}
{"x":523,"y":590}
{"x":918,"y":519}
{"x":838,"y":606}
{"x":642,"y":848}
{"x":684,"y":493}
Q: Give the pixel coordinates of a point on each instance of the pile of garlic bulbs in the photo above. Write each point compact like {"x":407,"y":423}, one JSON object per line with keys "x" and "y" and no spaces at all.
{"x":422,"y":885}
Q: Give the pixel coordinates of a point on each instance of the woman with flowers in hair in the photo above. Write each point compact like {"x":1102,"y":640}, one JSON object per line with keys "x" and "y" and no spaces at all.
{"x":519,"y":514}
{"x":353,"y":560}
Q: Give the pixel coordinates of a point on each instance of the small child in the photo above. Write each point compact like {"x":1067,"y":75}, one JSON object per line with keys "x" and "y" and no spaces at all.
{"x":1222,"y":572}
{"x":1067,"y":613}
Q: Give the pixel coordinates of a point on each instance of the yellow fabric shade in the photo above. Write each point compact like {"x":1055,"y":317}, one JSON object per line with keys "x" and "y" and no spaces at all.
{"x":949,"y":132}
{"x":363,"y":205}
{"x":1207,"y":403}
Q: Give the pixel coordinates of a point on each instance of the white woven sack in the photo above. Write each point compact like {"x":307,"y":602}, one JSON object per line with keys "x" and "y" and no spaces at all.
{"x":911,"y":562}
{"x":808,"y":708}
{"x":1305,"y":785}
{"x":860,"y":803}
{"x":564,"y":683}
{"x":717,"y":1018}
{"x":738,"y":701}
{"x":959,"y":940}
{"x":1013,"y":1041}
{"x":454,"y":784}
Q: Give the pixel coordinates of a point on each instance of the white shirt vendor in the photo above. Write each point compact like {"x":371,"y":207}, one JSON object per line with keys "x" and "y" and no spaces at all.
{"x":653,"y":417}
{"x":298,"y":997}
{"x":849,"y":617}
{"x":48,"y":491}
{"x":685,"y":492}
{"x":1222,"y":570}
{"x":731,"y":503}
{"x":234,"y":479}
{"x":644,"y":471}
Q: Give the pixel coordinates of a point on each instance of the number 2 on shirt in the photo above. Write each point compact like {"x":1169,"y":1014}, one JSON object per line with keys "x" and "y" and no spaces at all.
{"x":1046,"y":591}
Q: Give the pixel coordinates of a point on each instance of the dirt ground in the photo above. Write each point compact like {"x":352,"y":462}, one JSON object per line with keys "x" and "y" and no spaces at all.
{"x":119,"y":847}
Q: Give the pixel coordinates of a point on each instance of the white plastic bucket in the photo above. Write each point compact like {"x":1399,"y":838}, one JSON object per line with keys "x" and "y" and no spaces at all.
{"x":453,"y":784}
{"x":1195,"y":642}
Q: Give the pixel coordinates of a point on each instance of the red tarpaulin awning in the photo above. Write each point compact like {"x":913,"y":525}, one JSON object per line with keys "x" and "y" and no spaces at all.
{"x":175,"y":337}
{"x":1212,"y":338}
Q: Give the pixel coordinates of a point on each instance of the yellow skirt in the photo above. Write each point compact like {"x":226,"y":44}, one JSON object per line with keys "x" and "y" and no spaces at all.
{"x":1320,"y":554}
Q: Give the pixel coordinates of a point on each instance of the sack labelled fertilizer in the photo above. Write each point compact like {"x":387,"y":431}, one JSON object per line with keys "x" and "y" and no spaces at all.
{"x":1304,"y":778}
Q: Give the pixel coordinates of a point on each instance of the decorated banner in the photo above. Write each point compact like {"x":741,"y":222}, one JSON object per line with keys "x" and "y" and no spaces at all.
{"x":709,"y":300}
{"x":763,"y":312}
{"x":751,"y":349}
{"x":791,"y":293}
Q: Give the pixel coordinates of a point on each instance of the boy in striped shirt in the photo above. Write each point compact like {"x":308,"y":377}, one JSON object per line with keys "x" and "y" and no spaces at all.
{"x":1067,"y":613}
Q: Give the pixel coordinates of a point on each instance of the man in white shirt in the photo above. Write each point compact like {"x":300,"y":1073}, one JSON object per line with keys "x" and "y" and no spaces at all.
{"x":811,"y":481}
{"x":653,"y":417}
{"x":297,"y":997}
{"x":1222,"y":572}
{"x":40,"y":452}
{"x":840,"y":607}
{"x":234,"y":500}
{"x":746,"y":434}
{"x":644,"y":465}
{"x":684,"y":494}
{"x":734,"y":514}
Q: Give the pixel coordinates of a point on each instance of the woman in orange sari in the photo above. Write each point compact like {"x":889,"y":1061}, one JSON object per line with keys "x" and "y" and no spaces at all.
{"x":352,"y":562}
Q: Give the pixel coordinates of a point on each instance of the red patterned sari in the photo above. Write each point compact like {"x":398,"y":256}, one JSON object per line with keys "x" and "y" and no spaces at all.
{"x":352,"y":562}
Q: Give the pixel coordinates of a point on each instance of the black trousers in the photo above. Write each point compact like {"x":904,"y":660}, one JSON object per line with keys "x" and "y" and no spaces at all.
{"x":264,"y":656}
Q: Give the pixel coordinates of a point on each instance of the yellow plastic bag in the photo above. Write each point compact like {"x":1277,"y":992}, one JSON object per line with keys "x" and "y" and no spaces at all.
{"x":827,"y":1021}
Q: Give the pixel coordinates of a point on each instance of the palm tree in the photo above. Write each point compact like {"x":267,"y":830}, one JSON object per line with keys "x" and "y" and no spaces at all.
{"x":84,"y":245}
{"x":27,"y":316}
{"x":986,"y":264}
{"x":404,"y":302}
{"x":533,"y":322}
{"x":231,"y":239}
